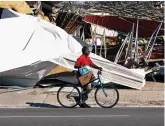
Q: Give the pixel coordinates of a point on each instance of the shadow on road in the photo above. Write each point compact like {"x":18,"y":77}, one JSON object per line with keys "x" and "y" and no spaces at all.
{"x":44,"y":105}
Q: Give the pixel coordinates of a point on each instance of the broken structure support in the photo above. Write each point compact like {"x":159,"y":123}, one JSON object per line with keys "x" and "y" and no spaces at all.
{"x":101,"y":46}
{"x":150,"y":51}
{"x":83,"y":35}
{"x":136,"y":41}
{"x":105,"y":46}
{"x":95,"y":40}
{"x":129,"y":51}
{"x":131,"y":42}
{"x":151,"y":39}
{"x":121,"y":49}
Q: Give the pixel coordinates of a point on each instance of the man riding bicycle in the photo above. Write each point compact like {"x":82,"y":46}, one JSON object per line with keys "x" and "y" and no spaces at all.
{"x":84,"y":60}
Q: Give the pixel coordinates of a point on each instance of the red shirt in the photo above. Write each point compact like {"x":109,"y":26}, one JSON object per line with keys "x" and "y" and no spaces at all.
{"x":84,"y":60}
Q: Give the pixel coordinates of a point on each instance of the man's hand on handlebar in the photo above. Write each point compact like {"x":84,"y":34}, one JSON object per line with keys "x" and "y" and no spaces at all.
{"x":100,"y":68}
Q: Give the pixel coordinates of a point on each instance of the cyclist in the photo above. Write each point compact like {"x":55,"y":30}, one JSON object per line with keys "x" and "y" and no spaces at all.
{"x":84,"y":60}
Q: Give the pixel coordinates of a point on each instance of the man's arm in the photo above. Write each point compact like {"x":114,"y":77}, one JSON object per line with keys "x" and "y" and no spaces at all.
{"x":95,"y":66}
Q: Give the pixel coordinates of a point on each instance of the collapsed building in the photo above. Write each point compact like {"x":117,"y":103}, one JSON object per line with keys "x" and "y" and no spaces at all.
{"x":44,"y":48}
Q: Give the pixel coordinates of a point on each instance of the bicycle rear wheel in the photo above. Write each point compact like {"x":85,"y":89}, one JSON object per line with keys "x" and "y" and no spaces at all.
{"x":106,"y":101}
{"x":68,"y":96}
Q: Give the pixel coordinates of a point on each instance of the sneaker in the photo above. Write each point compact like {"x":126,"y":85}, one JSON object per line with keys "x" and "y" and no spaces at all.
{"x":87,"y":106}
{"x":84,"y":105}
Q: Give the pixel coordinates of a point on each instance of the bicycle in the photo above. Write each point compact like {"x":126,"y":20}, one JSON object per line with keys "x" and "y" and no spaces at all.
{"x":102,"y":90}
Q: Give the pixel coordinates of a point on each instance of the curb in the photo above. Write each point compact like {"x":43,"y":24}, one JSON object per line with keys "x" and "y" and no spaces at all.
{"x":21,"y":107}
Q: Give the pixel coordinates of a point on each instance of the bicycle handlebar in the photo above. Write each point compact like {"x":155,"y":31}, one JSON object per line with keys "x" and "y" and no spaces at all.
{"x":99,"y":72}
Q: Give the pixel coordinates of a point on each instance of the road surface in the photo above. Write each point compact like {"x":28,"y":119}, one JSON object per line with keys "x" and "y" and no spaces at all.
{"x":82,"y":117}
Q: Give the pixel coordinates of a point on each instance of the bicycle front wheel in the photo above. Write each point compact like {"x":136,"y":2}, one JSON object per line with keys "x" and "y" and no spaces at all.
{"x":68,"y":96}
{"x":106,"y":96}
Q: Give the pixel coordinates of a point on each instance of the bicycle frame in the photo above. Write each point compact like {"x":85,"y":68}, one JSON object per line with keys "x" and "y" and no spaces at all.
{"x":98,"y":84}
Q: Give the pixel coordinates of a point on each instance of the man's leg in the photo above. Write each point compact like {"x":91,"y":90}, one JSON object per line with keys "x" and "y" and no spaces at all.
{"x":84,"y":95}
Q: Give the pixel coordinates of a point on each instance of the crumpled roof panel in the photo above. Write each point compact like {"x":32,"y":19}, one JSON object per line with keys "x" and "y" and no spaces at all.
{"x":146,"y":27}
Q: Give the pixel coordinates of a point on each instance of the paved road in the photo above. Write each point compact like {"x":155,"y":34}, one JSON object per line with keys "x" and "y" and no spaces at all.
{"x":82,"y":117}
